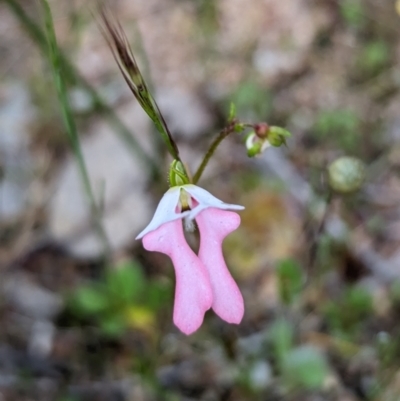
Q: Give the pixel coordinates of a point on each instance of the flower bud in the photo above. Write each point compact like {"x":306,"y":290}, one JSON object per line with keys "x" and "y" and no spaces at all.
{"x":254,"y":150}
{"x":177,"y":174}
{"x":239,"y":127}
{"x":261,"y":130}
{"x":255,"y":145}
{"x":346,"y":174}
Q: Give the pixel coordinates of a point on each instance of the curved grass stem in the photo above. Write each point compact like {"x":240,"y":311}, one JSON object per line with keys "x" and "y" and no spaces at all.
{"x":69,"y":122}
{"x":72,"y":76}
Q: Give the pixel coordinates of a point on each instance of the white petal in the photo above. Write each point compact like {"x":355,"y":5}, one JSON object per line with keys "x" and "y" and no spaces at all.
{"x":165,"y":212}
{"x":205,"y":200}
{"x":265,"y":145}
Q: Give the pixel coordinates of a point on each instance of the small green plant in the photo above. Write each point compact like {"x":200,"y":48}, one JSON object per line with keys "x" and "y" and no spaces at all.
{"x":281,"y":336}
{"x":345,"y":316}
{"x":301,"y":367}
{"x":252,"y":100}
{"x":352,"y":12}
{"x":340,"y":125}
{"x":125,"y":298}
{"x":373,"y":57}
{"x":290,"y":280}
{"x":395,"y":292}
{"x":304,"y":367}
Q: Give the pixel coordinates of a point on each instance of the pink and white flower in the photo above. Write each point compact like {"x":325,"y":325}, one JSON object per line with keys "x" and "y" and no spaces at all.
{"x":202,"y":281}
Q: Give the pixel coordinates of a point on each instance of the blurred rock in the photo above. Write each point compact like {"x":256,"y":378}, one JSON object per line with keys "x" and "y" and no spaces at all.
{"x":189,"y":375}
{"x":30,"y":299}
{"x":16,"y":113}
{"x":41,"y":341}
{"x":209,"y":371}
{"x":81,"y":101}
{"x":184,"y":111}
{"x":13,"y":361}
{"x":281,"y":33}
{"x":118,"y":180}
{"x":129,"y":388}
{"x":260,"y":375}
{"x":252,"y":345}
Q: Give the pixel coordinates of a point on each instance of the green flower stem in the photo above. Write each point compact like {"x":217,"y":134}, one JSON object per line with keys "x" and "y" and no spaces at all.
{"x":213,"y":147}
{"x":72,"y":76}
{"x":69,"y":122}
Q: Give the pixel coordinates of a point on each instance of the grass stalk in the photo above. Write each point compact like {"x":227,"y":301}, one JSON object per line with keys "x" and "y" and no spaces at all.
{"x":72,"y":76}
{"x":129,"y":68}
{"x":71,"y":130}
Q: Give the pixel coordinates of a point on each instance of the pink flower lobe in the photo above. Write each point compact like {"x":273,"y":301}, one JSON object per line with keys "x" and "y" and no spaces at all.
{"x":214,"y":225}
{"x":193,"y":293}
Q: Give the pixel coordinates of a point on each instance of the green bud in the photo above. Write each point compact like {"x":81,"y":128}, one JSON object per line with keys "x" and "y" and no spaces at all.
{"x":255,"y":145}
{"x":177,"y":174}
{"x":254,"y":150}
{"x":277,"y":136}
{"x":239,"y":127}
{"x":346,"y":174}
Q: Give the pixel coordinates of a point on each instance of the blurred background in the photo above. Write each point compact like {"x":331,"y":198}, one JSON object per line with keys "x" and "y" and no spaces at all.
{"x":319,"y":269}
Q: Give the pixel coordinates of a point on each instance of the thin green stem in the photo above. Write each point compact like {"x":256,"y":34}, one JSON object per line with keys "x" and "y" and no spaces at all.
{"x":213,"y":147}
{"x":72,"y":76}
{"x":56,"y":64}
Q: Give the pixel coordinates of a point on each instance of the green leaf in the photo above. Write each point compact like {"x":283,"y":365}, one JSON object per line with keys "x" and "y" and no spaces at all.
{"x":345,"y":316}
{"x":374,"y":56}
{"x":89,"y":300}
{"x":113,"y":326}
{"x":281,"y":336}
{"x":126,"y":282}
{"x":359,"y":300}
{"x":353,"y":13}
{"x":290,"y":277}
{"x":305,"y":367}
{"x":158,"y":294}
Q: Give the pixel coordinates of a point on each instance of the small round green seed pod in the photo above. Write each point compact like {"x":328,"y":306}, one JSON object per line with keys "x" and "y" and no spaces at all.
{"x":346,"y":174}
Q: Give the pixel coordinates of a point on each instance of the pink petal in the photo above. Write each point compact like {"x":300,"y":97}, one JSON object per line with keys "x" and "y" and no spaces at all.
{"x":214,"y":225}
{"x":193,"y":293}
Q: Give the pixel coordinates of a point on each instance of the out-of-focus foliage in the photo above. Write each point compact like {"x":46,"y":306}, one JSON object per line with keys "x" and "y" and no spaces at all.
{"x":125,"y":298}
{"x":353,"y":12}
{"x":338,"y":126}
{"x":291,"y":280}
{"x":304,"y":366}
{"x":347,"y":316}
